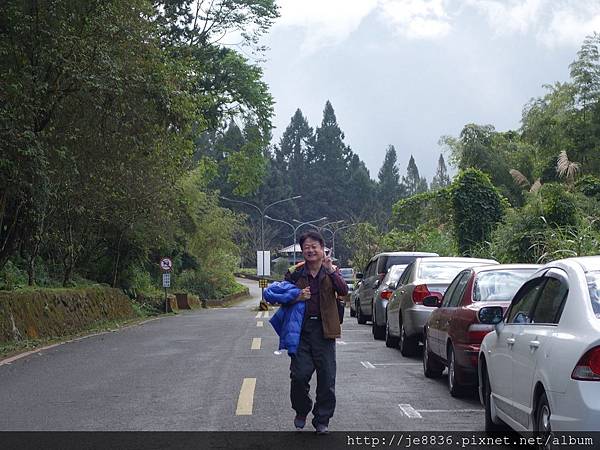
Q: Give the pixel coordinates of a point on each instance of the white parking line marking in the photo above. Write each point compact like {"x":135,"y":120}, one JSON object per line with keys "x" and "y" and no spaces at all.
{"x":259,"y":315}
{"x":398,"y":364}
{"x":259,"y":323}
{"x":256,"y":344}
{"x":266,"y":315}
{"x":367,"y":365}
{"x":450,"y":410}
{"x":246,"y":398}
{"x":340,"y":342}
{"x":409,"y":411}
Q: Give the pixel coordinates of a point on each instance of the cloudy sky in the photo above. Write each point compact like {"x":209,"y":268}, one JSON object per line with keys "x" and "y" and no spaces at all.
{"x":406,"y":72}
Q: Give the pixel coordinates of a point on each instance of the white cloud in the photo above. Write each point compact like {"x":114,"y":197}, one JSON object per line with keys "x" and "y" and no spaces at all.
{"x":552,"y":22}
{"x":330,"y":22}
{"x":569,"y":27}
{"x":508,"y":17}
{"x":417,"y":19}
{"x":324,"y":22}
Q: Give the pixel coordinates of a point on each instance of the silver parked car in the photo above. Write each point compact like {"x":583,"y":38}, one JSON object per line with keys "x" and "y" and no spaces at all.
{"x":383,"y":293}
{"x":406,"y":314}
{"x":373,"y":275}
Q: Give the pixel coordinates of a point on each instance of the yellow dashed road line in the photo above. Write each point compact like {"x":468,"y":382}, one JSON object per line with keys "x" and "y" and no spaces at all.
{"x":259,"y":323}
{"x":246,"y":398}
{"x":256,"y":344}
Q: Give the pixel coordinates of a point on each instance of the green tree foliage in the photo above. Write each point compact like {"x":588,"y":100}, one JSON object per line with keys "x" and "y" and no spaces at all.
{"x":559,"y":206}
{"x":104,"y":108}
{"x":365,"y":240}
{"x":389,"y":188}
{"x":477,"y":207}
{"x":433,"y":208}
{"x":413,"y":182}
{"x":424,"y":238}
{"x":441,"y":179}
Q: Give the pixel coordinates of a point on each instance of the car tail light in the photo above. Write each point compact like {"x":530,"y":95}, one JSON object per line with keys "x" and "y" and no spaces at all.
{"x":386,"y":295}
{"x":477,"y":332}
{"x":419,"y":293}
{"x":588,"y":367}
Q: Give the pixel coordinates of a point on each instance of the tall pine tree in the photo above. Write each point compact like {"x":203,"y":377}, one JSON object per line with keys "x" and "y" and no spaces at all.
{"x":296,"y":147}
{"x":412,"y":181}
{"x":327,"y":186}
{"x":440,"y":179}
{"x":389,"y":189}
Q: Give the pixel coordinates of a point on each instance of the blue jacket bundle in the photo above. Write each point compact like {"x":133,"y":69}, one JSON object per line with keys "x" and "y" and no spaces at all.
{"x":287,"y":322}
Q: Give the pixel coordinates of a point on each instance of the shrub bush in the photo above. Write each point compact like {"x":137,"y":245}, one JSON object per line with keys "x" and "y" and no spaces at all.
{"x":477,"y":207}
{"x":589,"y":186}
{"x":559,"y":206}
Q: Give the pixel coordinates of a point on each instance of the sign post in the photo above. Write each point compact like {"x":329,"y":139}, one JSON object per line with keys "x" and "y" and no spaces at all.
{"x":166,"y":265}
{"x":263,"y":269}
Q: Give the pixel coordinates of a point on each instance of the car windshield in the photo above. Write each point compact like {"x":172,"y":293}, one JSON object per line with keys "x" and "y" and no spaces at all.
{"x":346,"y":273}
{"x":441,"y":271}
{"x":499,"y":285}
{"x":593,"y":282}
{"x":393,"y":275}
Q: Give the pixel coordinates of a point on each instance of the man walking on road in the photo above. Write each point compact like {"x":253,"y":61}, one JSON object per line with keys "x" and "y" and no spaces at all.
{"x":319,"y":280}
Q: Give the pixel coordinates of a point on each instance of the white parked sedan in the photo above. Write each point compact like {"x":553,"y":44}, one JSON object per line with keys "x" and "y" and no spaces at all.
{"x":540,"y":369}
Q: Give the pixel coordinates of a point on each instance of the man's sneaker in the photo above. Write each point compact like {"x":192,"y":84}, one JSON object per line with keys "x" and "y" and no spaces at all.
{"x":322,"y":428}
{"x":299,"y":422}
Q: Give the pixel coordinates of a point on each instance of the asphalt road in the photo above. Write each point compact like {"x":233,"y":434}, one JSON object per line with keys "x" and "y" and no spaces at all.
{"x":197,"y":371}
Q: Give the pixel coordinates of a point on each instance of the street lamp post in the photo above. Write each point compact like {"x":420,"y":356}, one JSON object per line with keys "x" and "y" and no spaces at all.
{"x":262,"y":221}
{"x":324,"y":227}
{"x":333,"y":232}
{"x":296,"y":228}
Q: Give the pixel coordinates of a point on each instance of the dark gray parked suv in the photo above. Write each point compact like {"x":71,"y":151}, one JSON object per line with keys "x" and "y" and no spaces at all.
{"x":372,"y":276}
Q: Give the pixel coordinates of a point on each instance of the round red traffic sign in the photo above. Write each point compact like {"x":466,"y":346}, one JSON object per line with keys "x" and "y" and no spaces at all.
{"x":166,"y":264}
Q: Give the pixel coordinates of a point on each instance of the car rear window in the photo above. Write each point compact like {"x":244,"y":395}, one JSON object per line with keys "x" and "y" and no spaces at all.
{"x":393,"y":275}
{"x":593,"y":282}
{"x":399,"y":260}
{"x":441,"y":271}
{"x":499,"y":285}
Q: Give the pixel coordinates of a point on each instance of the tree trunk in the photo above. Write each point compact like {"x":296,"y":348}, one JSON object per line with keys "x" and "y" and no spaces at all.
{"x":116,"y":271}
{"x":31,"y":271}
{"x":67,"y":274}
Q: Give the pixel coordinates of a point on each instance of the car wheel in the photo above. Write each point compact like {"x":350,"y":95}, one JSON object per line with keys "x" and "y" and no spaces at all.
{"x":352,"y":311}
{"x":454,"y":386}
{"x":390,"y":341}
{"x":378,"y":330}
{"x":543,"y":427}
{"x":490,"y":426}
{"x":408,"y":345}
{"x":360,"y":317}
{"x":431,"y":367}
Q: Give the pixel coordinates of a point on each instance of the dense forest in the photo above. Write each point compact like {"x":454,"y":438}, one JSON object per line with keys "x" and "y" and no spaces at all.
{"x":126,"y":126}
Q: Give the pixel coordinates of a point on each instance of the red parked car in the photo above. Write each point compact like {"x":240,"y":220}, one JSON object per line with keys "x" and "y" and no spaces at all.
{"x":453,"y":334}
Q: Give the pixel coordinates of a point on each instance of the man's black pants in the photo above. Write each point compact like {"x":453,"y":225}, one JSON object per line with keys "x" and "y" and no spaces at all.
{"x":315,"y":352}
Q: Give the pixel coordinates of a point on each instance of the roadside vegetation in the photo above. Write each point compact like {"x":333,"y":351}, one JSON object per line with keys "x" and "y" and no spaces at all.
{"x":124,"y":124}
{"x":105,"y":108}
{"x":525,"y":195}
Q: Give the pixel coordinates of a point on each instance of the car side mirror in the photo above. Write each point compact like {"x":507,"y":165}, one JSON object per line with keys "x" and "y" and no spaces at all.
{"x":490,"y":315}
{"x":432,"y":301}
{"x":359,"y":276}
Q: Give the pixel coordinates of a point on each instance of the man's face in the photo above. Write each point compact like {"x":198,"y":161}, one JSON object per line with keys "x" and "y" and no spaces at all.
{"x":312,"y":250}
